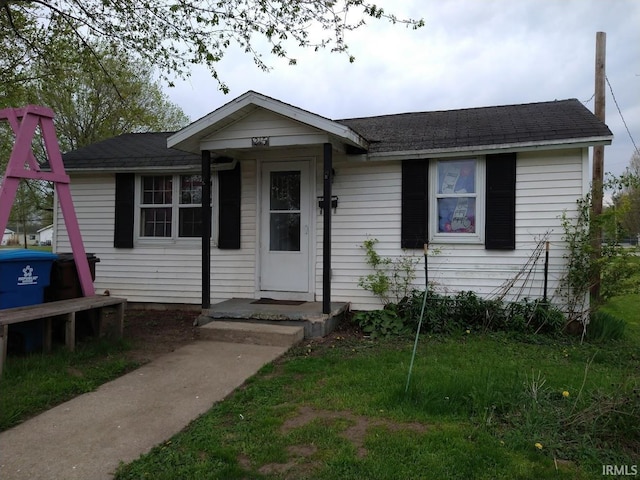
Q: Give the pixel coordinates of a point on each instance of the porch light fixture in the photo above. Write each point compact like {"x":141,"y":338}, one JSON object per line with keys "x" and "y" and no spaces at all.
{"x":334,"y":203}
{"x":259,"y":141}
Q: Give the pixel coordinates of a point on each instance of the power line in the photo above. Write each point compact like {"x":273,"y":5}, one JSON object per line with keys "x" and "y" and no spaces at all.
{"x":621,"y":116}
{"x":587,"y":101}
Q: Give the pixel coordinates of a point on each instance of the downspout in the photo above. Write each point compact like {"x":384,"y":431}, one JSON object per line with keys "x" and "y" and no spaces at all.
{"x":206,"y":229}
{"x":326,"y":241}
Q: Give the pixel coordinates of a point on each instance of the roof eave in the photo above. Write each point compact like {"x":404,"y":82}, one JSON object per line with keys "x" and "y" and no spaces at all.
{"x":487,"y":149}
{"x":133,"y":169}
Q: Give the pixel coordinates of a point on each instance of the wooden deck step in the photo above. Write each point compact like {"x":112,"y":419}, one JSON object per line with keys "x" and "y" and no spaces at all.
{"x":252,"y":333}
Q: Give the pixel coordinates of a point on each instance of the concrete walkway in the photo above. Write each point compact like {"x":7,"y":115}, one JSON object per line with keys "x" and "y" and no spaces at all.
{"x":87,"y":437}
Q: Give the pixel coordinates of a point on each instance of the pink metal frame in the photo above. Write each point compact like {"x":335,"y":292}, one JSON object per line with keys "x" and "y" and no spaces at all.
{"x":23,"y":164}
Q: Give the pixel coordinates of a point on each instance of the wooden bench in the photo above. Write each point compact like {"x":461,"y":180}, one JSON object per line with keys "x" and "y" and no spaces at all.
{"x":61,"y":308}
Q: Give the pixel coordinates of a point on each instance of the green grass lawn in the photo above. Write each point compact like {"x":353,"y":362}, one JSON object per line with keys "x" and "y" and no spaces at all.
{"x":494,"y":406}
{"x":33,"y":383}
{"x":628,"y":308}
{"x":30,"y":247}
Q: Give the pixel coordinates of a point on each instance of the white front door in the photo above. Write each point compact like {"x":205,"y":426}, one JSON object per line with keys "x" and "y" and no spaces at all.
{"x":285,"y":235}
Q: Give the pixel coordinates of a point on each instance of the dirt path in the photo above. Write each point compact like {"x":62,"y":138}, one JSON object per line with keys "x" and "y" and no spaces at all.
{"x":155,"y":332}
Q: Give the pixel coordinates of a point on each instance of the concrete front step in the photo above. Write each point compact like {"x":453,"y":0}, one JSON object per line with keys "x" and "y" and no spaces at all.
{"x":252,"y":333}
{"x":308,"y":314}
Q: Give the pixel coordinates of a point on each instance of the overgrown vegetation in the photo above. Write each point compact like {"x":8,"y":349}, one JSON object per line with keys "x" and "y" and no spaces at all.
{"x":462,"y":312}
{"x":616,"y":267}
{"x":392,"y":281}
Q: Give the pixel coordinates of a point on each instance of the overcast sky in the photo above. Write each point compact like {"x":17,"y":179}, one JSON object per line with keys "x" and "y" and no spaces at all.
{"x":471,"y":53}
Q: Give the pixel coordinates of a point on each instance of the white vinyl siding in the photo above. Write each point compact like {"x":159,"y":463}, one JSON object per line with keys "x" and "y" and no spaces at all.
{"x":547,"y":184}
{"x":158,"y":273}
{"x":369,"y":207}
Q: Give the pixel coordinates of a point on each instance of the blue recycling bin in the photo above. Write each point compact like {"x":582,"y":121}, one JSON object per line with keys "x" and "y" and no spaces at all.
{"x":24,"y":274}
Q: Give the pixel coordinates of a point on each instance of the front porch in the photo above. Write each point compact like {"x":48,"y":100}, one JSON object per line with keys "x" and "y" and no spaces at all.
{"x":306,"y":314}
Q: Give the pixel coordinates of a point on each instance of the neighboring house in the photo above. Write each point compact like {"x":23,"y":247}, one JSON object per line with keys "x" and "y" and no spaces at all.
{"x":482,"y":185}
{"x":7,"y":237}
{"x":45,"y":235}
{"x":19,"y":238}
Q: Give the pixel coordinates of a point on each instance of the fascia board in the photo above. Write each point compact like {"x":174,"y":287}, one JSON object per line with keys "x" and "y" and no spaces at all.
{"x":484,"y":149}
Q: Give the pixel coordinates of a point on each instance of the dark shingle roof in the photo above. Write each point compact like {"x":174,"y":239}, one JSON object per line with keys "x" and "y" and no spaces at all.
{"x":476,"y":127}
{"x":130,"y":150}
{"x":486,"y":127}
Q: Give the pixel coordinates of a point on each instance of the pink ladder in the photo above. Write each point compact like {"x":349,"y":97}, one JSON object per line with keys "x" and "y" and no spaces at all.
{"x":23,"y":164}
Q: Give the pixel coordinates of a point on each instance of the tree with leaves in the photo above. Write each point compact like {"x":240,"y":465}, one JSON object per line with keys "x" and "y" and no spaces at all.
{"x":627,"y":199}
{"x":94,"y":97}
{"x":172,"y":35}
{"x":104,"y":98}
{"x":32,"y":208}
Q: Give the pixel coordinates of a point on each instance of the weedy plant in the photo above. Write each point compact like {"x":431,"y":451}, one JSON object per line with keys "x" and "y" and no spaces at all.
{"x":604,"y":326}
{"x":392,"y":278}
{"x":392,"y":282}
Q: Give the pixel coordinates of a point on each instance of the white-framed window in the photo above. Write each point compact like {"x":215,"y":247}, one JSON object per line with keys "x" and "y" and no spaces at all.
{"x":169,"y":206}
{"x":456,"y":200}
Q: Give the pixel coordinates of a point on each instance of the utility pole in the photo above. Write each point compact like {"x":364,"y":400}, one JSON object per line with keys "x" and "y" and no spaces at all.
{"x":598,"y":158}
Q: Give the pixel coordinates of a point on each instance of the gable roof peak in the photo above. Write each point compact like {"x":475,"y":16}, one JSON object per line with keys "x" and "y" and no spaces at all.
{"x":188,"y":139}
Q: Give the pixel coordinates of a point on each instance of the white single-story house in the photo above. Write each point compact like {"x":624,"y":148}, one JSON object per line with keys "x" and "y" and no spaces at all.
{"x":483,"y":186}
{"x":7,"y":236}
{"x":45,"y":235}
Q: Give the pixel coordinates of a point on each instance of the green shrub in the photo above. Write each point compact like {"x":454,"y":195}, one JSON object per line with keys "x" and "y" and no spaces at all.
{"x":535,"y":316}
{"x":446,"y":314}
{"x":437,"y":313}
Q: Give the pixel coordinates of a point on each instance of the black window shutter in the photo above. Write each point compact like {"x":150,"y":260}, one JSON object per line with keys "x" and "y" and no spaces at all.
{"x":229,"y":182}
{"x":414,"y":203}
{"x":124,"y":215}
{"x":500,"y":227}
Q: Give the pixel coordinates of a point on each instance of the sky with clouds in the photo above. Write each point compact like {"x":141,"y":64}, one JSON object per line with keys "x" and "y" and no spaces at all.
{"x":470,"y":53}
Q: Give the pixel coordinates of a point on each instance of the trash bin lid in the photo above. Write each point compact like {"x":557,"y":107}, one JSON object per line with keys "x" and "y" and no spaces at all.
{"x":68,"y":257}
{"x":22,"y":254}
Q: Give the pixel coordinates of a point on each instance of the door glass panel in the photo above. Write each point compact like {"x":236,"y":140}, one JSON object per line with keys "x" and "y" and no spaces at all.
{"x":285,"y":232}
{"x":285,"y":191}
{"x":284,"y":216}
